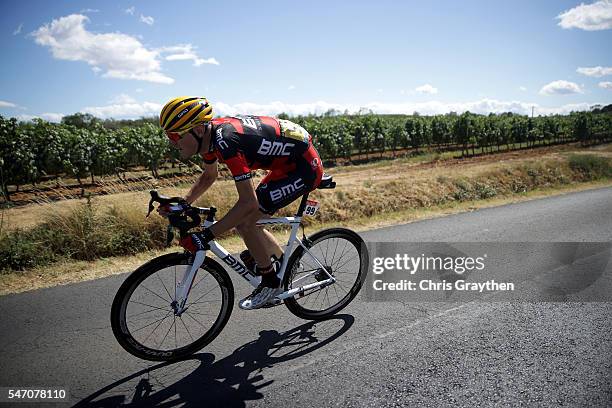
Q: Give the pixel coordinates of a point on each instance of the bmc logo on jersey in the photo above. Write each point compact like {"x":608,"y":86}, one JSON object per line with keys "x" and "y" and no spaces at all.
{"x":220,"y":142}
{"x":249,"y":121}
{"x":268,"y":148}
{"x":284,"y":191}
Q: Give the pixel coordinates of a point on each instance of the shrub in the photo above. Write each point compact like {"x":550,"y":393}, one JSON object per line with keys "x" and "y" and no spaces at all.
{"x":591,"y":166}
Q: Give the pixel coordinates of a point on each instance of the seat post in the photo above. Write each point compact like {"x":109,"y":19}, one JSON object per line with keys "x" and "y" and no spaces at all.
{"x":302,"y":207}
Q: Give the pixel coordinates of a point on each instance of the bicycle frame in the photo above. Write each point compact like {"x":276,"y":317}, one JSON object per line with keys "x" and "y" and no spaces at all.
{"x":184,"y":287}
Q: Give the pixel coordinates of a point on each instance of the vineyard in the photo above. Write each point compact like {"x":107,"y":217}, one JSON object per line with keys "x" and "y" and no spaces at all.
{"x":83,"y":147}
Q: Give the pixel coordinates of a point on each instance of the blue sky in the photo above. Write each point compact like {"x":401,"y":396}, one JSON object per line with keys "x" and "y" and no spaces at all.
{"x":124,"y":59}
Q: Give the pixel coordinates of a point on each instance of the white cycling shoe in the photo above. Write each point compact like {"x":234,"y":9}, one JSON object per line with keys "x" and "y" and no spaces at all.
{"x":261,"y":296}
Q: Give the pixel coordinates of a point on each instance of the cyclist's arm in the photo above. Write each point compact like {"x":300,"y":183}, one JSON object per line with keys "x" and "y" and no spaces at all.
{"x":246,"y":207}
{"x":206,"y":179}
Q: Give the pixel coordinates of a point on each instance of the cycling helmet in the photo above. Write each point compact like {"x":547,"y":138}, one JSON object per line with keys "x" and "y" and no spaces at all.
{"x":184,"y":113}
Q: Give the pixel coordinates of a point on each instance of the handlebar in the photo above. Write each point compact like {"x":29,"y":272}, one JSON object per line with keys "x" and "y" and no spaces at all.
{"x":181,"y":215}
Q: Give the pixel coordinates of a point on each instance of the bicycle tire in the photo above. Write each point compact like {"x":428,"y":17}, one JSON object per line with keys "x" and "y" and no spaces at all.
{"x":118,"y":310}
{"x":293,"y":264}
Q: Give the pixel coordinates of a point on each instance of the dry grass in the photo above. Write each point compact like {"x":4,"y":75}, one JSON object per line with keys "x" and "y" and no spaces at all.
{"x":77,"y":271}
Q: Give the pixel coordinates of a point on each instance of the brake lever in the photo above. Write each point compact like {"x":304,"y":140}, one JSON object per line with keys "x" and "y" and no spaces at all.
{"x":154,"y":198}
{"x":163,"y":200}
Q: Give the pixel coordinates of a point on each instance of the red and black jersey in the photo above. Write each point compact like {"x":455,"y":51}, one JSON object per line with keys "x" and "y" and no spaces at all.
{"x":246,"y":143}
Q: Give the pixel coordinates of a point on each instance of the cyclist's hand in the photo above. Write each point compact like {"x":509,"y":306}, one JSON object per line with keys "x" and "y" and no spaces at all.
{"x":164,"y":210}
{"x":167,"y":209}
{"x":197,"y":241}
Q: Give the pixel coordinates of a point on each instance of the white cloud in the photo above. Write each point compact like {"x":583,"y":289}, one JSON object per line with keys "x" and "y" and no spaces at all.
{"x":597,"y":71}
{"x":185,"y":52}
{"x":426,"y":89}
{"x":605,"y":85}
{"x":126,"y":109}
{"x":18,"y":29}
{"x":122,"y":99}
{"x":88,"y":10}
{"x":121,"y":55}
{"x":5,"y":104}
{"x":522,"y":88}
{"x":483,"y":106}
{"x":560,"y":87}
{"x":590,"y":17}
{"x":130,"y":10}
{"x":147,"y":19}
{"x":50,"y":117}
{"x":291,"y":87}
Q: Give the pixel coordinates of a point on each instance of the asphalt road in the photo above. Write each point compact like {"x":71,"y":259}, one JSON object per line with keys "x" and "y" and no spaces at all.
{"x":535,"y":352}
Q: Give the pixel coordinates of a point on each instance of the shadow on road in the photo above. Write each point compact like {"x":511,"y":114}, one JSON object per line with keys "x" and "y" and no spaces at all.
{"x":200,"y":381}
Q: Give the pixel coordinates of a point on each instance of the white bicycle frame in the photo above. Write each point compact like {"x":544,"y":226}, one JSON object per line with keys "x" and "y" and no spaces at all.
{"x":184,"y":286}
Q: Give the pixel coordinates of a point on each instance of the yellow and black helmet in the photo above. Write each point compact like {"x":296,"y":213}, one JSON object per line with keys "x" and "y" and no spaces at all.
{"x":185,"y":112}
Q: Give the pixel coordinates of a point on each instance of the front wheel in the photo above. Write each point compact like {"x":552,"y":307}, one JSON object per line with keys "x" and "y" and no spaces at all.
{"x":143,"y":317}
{"x":343,"y":255}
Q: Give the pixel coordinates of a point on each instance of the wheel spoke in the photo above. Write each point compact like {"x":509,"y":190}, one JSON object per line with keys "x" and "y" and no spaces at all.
{"x":203,"y":301}
{"x":200,"y":281}
{"x":150,"y":324}
{"x":347,"y":261}
{"x":146,"y":311}
{"x":144,"y":287}
{"x":181,"y":319}
{"x":166,"y":335}
{"x":193,"y":318}
{"x":199,"y":313}
{"x":210,"y":290}
{"x":145,"y":304}
{"x":334,"y":255}
{"x":165,"y":288}
{"x":159,"y":324}
{"x":341,"y":256}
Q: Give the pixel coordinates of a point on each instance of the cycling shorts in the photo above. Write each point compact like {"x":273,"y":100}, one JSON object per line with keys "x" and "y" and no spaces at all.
{"x":282,"y":186}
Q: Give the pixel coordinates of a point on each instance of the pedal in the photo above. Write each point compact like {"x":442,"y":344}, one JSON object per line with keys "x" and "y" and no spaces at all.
{"x":272,"y":303}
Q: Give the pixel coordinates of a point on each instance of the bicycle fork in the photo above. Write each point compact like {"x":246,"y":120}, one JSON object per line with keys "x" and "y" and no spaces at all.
{"x":184,"y":286}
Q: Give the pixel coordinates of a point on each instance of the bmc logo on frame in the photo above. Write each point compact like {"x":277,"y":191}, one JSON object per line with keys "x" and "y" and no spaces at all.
{"x":268,"y":148}
{"x":237,"y":266}
{"x":284,"y":191}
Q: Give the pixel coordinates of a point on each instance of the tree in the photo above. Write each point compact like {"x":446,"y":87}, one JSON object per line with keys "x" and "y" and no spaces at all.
{"x":582,"y":129}
{"x":461,"y":132}
{"x":81,"y":120}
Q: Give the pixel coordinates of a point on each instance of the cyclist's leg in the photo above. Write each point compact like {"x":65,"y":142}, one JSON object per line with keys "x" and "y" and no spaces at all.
{"x":261,"y":243}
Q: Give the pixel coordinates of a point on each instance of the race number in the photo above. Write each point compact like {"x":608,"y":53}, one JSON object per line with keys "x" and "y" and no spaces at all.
{"x":311,"y":207}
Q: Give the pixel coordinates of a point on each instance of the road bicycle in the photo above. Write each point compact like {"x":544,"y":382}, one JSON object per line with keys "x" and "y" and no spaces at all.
{"x":176,"y":304}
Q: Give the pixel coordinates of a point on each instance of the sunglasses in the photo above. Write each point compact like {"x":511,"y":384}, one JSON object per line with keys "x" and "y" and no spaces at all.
{"x":176,"y":136}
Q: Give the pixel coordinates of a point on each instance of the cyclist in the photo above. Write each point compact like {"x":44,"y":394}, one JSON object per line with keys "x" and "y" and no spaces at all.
{"x":245,"y":143}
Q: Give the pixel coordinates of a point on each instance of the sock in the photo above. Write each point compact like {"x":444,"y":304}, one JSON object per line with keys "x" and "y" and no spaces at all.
{"x":268,"y":277}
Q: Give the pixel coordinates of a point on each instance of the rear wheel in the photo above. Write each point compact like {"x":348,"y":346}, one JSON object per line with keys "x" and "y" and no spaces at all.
{"x":143,"y":318}
{"x":343,"y":255}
